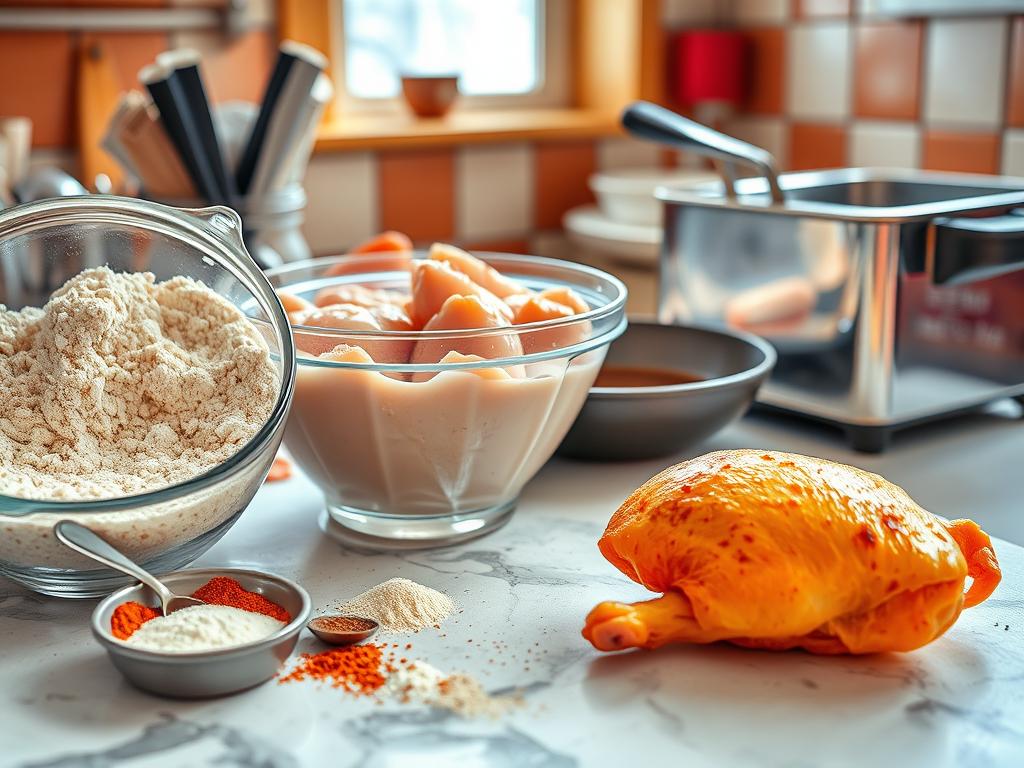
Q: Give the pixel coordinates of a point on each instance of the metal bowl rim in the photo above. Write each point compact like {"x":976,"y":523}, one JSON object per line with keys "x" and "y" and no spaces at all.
{"x":754,"y":373}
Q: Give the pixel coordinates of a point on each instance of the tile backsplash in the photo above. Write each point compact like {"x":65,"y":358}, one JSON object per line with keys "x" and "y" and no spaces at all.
{"x":488,"y":196}
{"x":828,"y":87}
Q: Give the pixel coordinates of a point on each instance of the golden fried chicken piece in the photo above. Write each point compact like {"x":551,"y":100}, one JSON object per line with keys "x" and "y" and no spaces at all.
{"x":775,"y":550}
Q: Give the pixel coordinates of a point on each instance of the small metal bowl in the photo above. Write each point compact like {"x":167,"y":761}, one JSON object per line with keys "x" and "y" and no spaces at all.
{"x":620,"y":423}
{"x":203,"y":674}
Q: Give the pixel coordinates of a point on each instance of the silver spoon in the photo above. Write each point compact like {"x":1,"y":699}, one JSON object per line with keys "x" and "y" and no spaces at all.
{"x":81,"y":539}
{"x":320,"y":626}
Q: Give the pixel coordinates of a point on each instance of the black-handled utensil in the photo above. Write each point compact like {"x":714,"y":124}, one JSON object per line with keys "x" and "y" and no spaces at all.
{"x":649,"y":121}
{"x":176,"y":119}
{"x":184,"y":74}
{"x":297,"y":68}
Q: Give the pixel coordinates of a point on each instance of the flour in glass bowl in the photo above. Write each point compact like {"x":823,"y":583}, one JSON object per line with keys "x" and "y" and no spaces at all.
{"x":120,"y":385}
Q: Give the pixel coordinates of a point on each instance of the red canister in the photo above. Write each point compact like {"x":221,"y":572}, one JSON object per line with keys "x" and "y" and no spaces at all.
{"x":709,"y":67}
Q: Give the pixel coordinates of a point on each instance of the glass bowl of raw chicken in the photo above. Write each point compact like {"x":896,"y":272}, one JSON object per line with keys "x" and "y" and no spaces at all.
{"x":433,"y":385}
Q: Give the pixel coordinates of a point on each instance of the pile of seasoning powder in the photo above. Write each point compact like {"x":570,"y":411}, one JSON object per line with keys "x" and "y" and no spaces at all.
{"x":398,"y":605}
{"x":231,"y":616}
{"x":375,"y":669}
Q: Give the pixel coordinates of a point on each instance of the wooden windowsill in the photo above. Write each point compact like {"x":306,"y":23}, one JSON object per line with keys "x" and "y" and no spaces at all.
{"x":371,"y":132}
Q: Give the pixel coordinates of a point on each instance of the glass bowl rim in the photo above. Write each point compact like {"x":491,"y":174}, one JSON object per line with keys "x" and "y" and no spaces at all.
{"x":616,"y":305}
{"x":187,"y":224}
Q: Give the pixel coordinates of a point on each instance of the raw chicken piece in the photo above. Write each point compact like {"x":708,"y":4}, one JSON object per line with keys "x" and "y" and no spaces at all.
{"x":539,"y":309}
{"x":461,"y":312}
{"x":392,"y":317}
{"x":346,"y":353}
{"x":407,"y":307}
{"x":434,"y":282}
{"x":386,"y":242}
{"x":569,"y":303}
{"x":359,"y":295}
{"x":352,"y":318}
{"x":480,"y":272}
{"x":280,"y":470}
{"x":774,"y":550}
{"x":567,"y":297}
{"x":389,"y":240}
{"x":517,"y":300}
{"x":294,"y":304}
{"x":494,"y":374}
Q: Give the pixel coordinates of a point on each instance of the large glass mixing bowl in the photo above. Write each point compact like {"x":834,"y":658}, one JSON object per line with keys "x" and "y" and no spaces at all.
{"x":44,"y":244}
{"x":430,"y":454}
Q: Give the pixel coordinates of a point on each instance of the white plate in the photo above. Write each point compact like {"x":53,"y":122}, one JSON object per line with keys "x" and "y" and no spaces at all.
{"x":627,"y":195}
{"x":633,"y":243}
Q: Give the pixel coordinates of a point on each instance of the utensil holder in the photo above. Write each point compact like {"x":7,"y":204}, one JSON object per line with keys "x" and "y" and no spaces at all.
{"x":272,"y":223}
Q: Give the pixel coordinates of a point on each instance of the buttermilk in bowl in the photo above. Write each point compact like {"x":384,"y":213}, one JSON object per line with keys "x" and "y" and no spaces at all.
{"x":438,"y":386}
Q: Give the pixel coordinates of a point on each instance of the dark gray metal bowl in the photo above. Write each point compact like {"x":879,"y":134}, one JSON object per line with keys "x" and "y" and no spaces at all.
{"x":619,"y":423}
{"x":203,"y":674}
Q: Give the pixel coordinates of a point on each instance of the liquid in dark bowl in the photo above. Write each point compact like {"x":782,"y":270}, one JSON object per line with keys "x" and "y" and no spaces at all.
{"x":643,"y":376}
{"x":634,"y":411}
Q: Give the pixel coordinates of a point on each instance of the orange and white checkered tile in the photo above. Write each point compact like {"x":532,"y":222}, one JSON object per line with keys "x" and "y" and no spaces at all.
{"x":828,"y":87}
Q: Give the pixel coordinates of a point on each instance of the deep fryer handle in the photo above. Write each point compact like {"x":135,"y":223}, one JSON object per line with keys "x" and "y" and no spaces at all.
{"x":966,"y":250}
{"x":649,"y":121}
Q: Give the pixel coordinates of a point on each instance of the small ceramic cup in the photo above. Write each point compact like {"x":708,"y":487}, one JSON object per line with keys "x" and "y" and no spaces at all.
{"x":430,"y":95}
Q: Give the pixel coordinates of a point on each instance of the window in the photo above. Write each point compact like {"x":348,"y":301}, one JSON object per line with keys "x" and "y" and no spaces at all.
{"x":505,"y":51}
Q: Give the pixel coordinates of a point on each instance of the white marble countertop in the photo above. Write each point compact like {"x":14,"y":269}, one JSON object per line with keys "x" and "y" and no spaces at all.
{"x":525,"y":590}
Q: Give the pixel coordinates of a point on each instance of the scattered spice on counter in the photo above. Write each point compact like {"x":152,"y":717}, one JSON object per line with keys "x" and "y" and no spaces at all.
{"x":223,"y":590}
{"x":373,"y":669}
{"x":354,"y":668}
{"x":281,"y":469}
{"x":420,"y":683}
{"x":343,"y":624}
{"x":128,"y":617}
{"x":464,"y":696}
{"x":414,"y":683}
{"x":401,"y":605}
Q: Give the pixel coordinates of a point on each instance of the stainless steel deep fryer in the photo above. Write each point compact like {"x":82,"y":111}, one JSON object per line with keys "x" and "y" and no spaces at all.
{"x":892,"y":296}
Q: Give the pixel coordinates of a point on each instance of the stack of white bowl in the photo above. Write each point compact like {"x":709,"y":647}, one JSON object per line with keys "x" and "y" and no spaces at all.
{"x":626,"y":223}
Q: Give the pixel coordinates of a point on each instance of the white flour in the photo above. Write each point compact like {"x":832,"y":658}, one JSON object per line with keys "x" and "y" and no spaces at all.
{"x":120,"y":385}
{"x":203,"y":628}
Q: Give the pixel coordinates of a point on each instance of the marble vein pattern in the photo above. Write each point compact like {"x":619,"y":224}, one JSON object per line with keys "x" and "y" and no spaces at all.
{"x":522,"y":593}
{"x":171,"y":738}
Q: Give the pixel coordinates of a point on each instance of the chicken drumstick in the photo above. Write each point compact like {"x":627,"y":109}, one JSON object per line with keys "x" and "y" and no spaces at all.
{"x":774,"y":550}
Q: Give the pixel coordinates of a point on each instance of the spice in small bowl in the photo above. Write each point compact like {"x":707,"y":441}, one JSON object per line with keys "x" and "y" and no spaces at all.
{"x":230,"y":615}
{"x":195,"y":673}
{"x":342,"y":630}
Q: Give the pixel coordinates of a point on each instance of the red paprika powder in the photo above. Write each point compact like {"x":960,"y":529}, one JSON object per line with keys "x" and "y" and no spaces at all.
{"x":355,"y":668}
{"x":128,"y":617}
{"x":222,"y":590}
{"x":219,"y":590}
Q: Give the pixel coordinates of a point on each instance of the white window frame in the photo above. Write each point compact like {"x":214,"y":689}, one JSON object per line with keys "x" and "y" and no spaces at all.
{"x":554,"y":89}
